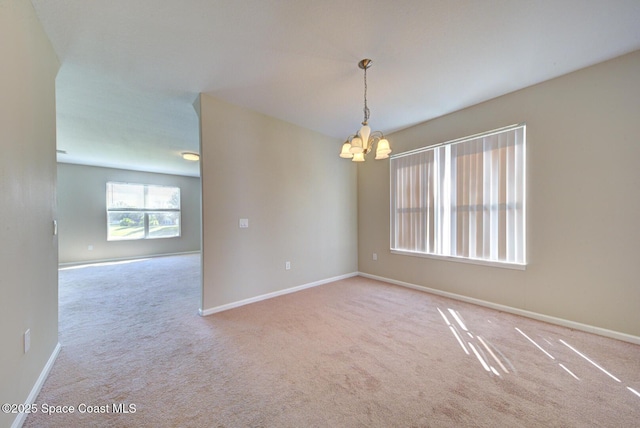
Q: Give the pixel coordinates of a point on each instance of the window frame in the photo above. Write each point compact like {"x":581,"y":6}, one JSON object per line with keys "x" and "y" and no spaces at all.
{"x":144,"y":211}
{"x":454,"y":206}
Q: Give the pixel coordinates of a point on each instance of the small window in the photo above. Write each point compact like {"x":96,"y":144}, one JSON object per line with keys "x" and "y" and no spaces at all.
{"x":462,"y":200}
{"x":142,"y":211}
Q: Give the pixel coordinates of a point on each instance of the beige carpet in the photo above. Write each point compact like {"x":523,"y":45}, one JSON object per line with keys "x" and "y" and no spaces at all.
{"x":354,"y":353}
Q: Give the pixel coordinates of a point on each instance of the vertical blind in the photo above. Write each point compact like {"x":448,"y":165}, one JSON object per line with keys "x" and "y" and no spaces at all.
{"x":464,"y":198}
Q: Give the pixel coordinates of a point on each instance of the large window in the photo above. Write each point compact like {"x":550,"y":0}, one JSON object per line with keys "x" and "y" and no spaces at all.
{"x":462,"y":200}
{"x":142,"y":211}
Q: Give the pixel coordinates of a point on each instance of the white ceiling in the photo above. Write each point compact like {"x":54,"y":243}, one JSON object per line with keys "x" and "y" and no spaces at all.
{"x":131,"y":69}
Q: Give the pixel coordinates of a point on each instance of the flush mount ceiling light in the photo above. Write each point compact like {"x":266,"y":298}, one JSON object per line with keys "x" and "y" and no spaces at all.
{"x":190,"y":156}
{"x":358,"y":145}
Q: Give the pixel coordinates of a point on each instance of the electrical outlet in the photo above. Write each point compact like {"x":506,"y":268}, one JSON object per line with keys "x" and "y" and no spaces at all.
{"x":375,"y":256}
{"x":287,"y":265}
{"x":243,"y":223}
{"x":27,"y":340}
{"x":90,"y":247}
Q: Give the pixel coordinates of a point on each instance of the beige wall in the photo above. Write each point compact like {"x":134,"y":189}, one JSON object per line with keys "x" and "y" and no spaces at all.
{"x":28,"y":249}
{"x":82,"y":214}
{"x":583,"y":178}
{"x":299,"y":197}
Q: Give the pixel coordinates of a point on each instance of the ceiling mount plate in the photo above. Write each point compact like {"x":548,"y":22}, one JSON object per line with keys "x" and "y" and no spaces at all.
{"x":365,"y":63}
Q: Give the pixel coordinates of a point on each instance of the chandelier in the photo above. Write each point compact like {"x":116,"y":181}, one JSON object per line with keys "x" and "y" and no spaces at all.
{"x":358,"y":145}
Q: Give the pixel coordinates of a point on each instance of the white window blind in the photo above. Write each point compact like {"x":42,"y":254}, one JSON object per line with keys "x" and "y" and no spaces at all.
{"x":463,"y":199}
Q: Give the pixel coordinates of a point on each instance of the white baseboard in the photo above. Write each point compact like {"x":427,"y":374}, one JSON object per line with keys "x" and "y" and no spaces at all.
{"x":534,"y":315}
{"x":123,"y":259}
{"x":239,"y":303}
{"x":19,"y":420}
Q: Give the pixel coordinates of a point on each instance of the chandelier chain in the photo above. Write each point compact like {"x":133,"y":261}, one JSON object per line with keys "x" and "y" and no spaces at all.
{"x":366,"y":109}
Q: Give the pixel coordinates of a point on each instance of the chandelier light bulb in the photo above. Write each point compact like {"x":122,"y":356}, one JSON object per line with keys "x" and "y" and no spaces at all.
{"x":346,"y":151}
{"x":356,"y":146}
{"x":358,"y":157}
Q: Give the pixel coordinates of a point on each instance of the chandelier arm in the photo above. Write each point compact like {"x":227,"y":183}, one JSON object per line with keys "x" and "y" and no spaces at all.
{"x":373,"y":139}
{"x":378,"y":135}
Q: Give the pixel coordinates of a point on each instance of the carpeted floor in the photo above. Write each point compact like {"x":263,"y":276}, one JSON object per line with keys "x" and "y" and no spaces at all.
{"x":354,"y":353}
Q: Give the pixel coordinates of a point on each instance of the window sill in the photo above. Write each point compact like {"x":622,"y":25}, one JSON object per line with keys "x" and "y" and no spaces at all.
{"x":503,"y":265}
